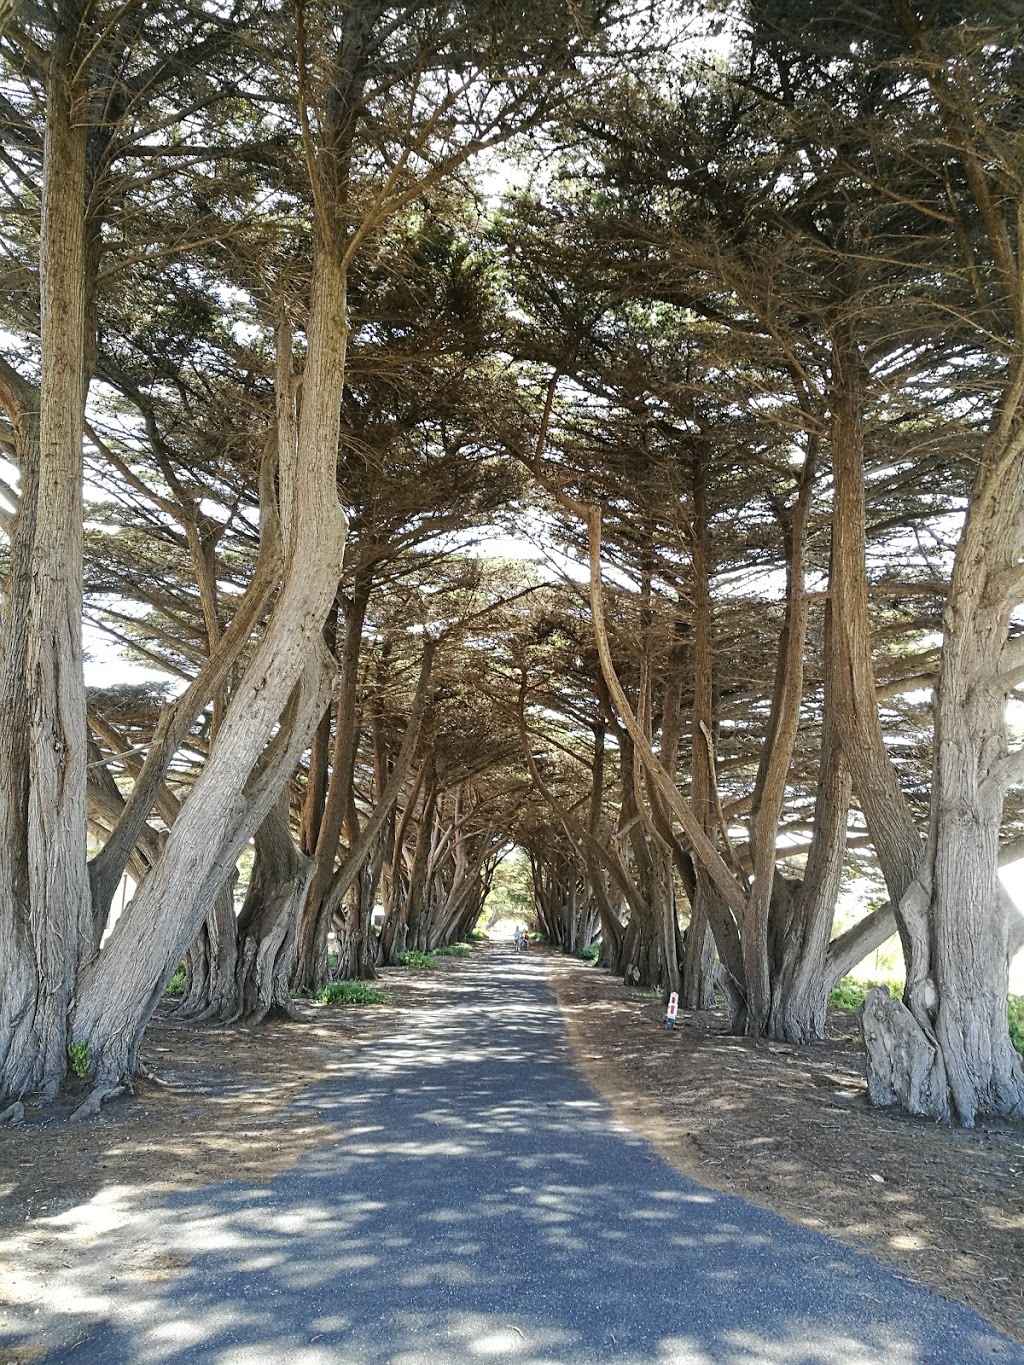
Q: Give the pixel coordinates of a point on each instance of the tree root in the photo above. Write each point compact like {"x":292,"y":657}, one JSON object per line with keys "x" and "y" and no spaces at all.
{"x":96,"y":1099}
{"x":153,"y":1078}
{"x":14,"y":1113}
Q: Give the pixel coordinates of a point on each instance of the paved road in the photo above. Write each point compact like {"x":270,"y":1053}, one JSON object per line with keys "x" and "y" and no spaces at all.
{"x":482,"y":1205}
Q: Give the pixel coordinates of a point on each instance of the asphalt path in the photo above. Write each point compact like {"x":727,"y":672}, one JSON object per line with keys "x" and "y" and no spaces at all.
{"x":481,"y":1204}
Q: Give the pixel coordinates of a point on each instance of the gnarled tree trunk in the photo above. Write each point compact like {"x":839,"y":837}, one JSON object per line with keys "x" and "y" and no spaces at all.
{"x":268,"y":922}
{"x":211,"y":962}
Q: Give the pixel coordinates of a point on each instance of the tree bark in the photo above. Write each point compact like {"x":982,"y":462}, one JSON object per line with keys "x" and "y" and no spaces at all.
{"x":268,"y":922}
{"x":316,"y":912}
{"x":122,"y":986}
{"x":45,"y":913}
{"x":890,"y":823}
{"x":776,"y":757}
{"x":311,"y":968}
{"x":698,"y":956}
{"x":211,"y":962}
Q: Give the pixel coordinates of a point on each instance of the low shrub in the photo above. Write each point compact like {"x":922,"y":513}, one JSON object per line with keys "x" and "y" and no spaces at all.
{"x":850,"y":994}
{"x":1017,"y":1022}
{"x":454,"y":950}
{"x":478,"y":936}
{"x":415,"y":959}
{"x":350,"y":993}
{"x":80,"y":1058}
{"x":590,"y":954}
{"x":176,"y":985}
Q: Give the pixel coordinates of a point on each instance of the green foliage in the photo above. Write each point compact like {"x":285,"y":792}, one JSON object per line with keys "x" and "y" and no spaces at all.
{"x":1017,"y":1022}
{"x":850,"y":994}
{"x":511,"y":893}
{"x":478,"y":936}
{"x":455,"y":950}
{"x":416,"y":960}
{"x":350,"y":993}
{"x":80,"y":1057}
{"x":176,"y":985}
{"x":590,"y":954}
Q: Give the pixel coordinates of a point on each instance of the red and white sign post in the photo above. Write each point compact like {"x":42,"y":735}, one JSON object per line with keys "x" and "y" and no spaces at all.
{"x":673,"y":1008}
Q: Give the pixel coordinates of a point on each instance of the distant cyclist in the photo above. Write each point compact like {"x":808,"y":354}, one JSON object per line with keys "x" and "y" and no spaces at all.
{"x":517,"y":939}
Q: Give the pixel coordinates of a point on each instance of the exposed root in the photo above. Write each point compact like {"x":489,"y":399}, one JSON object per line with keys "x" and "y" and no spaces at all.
{"x":14,"y":1113}
{"x":153,"y":1078}
{"x":278,"y":1012}
{"x":96,"y":1099}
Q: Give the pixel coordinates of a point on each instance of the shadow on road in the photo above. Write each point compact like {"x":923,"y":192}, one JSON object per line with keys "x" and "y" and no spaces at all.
{"x":482,"y":1205}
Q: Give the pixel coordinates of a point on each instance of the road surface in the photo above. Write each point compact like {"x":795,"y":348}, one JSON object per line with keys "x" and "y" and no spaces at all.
{"x":481,"y":1204}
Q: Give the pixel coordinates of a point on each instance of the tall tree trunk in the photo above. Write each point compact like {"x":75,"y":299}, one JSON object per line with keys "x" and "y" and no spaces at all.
{"x":610,"y":924}
{"x":776,"y":757}
{"x":643,"y":941}
{"x":319,"y":904}
{"x":697,"y":991}
{"x":45,"y":910}
{"x":950,"y":1049}
{"x":801,"y":980}
{"x":212,"y":961}
{"x":177,"y":719}
{"x":268,"y":922}
{"x":890,"y":823}
{"x":311,"y":968}
{"x":230,"y":799}
{"x":357,"y":948}
{"x":953,"y":1052}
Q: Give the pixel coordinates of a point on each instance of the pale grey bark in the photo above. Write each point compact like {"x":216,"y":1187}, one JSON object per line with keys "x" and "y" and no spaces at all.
{"x":122,"y":986}
{"x":268,"y":922}
{"x":45,"y":917}
{"x":211,"y":962}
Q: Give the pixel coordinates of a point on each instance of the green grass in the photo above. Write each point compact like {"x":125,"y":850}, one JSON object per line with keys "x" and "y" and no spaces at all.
{"x":455,"y":950}
{"x":176,"y":985}
{"x":350,"y":993}
{"x":416,"y":960}
{"x":478,"y":936}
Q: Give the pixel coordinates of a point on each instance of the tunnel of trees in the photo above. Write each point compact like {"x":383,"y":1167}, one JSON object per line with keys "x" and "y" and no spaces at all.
{"x":314,"y":314}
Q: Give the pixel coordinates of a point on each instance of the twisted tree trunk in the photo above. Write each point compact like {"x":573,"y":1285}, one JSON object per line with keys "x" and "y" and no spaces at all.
{"x":290,"y":672}
{"x":268,"y":922}
{"x":211,"y":962}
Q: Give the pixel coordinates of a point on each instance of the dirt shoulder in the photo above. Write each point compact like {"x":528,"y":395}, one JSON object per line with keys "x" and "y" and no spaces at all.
{"x":790,"y":1129}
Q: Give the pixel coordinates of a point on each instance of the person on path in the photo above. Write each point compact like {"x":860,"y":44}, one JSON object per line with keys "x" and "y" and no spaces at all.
{"x":517,"y":938}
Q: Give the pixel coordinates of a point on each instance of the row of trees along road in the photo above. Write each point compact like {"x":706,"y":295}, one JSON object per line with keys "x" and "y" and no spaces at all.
{"x":747,"y":349}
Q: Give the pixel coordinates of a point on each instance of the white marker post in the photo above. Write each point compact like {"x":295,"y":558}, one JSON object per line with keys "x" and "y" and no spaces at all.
{"x":673,"y":1006}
